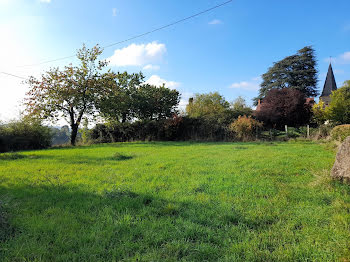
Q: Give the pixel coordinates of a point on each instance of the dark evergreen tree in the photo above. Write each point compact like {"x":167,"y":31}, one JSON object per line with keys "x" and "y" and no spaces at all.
{"x":296,"y":71}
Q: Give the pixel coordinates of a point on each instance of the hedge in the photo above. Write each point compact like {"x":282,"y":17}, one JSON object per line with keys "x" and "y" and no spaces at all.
{"x":340,"y":132}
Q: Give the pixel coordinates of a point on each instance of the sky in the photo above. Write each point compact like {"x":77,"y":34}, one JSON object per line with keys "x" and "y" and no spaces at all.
{"x":224,"y":50}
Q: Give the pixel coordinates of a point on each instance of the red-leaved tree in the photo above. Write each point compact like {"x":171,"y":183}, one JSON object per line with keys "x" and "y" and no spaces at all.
{"x":285,"y":106}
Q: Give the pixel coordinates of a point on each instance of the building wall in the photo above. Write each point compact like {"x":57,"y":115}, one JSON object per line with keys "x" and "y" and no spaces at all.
{"x":326,"y":100}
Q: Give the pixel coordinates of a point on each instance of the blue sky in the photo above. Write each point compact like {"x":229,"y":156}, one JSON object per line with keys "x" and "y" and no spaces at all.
{"x":225,"y":50}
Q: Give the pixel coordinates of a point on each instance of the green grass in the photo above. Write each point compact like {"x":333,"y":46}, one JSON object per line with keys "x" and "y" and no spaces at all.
{"x":174,"y":202}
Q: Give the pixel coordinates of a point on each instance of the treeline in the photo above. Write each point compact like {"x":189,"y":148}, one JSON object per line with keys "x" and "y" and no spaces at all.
{"x":207,"y":118}
{"x":131,"y":109}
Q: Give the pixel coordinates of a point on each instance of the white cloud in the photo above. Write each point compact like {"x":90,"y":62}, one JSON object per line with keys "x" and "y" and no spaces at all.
{"x":114,"y":11}
{"x":151,"y":67}
{"x":338,"y":71}
{"x":215,"y":22}
{"x":185,"y":95}
{"x":157,"y":81}
{"x":45,"y":1}
{"x":343,"y":58}
{"x":138,"y":55}
{"x":251,"y":85}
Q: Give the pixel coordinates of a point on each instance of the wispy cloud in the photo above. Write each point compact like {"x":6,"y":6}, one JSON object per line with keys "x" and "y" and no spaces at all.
{"x":251,"y":85}
{"x":45,"y":1}
{"x":114,"y":11}
{"x":343,"y":58}
{"x":151,"y":67}
{"x":138,"y":55}
{"x":215,"y":22}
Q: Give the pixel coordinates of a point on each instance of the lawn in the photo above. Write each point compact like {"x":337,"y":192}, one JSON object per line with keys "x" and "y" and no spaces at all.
{"x":172,"y":201}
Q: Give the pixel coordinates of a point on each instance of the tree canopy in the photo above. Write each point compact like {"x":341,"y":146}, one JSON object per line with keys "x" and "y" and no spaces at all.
{"x":239,"y":107}
{"x":207,"y":105}
{"x":70,"y":93}
{"x":339,"y":107}
{"x":297,"y":71}
{"x":117,"y":102}
{"x":129,"y":97}
{"x":284,"y":107}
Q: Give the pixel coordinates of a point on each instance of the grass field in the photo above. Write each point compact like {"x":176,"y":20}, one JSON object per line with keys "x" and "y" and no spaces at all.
{"x":174,"y":201}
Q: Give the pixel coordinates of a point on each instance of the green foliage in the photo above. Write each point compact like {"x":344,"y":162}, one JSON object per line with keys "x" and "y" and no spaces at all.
{"x":60,"y":135}
{"x":245,"y":128}
{"x":341,"y":132}
{"x":239,"y":107}
{"x":151,"y":102}
{"x":24,"y":134}
{"x":211,"y":105}
{"x":129,"y":97}
{"x":339,"y":108}
{"x":319,"y":113}
{"x":70,"y":93}
{"x":117,"y":103}
{"x":175,"y":201}
{"x":297,"y":71}
{"x":177,"y":128}
{"x":85,"y":132}
{"x":323,"y":131}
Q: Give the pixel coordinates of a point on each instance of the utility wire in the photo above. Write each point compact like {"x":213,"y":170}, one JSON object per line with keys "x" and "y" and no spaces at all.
{"x":13,"y":75}
{"x":140,"y":35}
{"x":126,"y":40}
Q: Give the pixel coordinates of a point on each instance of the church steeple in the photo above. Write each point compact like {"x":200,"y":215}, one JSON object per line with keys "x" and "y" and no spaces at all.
{"x":329,"y":86}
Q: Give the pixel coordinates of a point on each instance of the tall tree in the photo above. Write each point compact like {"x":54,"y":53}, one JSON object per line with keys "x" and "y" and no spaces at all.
{"x":117,"y":103}
{"x":152,"y":102}
{"x":284,"y":107}
{"x":296,"y":71}
{"x":207,"y":105}
{"x":70,"y":93}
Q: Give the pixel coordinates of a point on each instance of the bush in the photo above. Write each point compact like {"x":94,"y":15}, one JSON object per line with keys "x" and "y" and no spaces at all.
{"x":340,"y":132}
{"x":176,"y":128}
{"x":24,"y":135}
{"x":245,"y":128}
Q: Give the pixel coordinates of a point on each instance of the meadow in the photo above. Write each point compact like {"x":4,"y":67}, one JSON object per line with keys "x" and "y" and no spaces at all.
{"x":174,"y":201}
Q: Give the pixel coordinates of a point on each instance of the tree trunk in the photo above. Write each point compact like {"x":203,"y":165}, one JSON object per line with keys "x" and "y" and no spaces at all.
{"x":123,"y":117}
{"x":73,"y":134}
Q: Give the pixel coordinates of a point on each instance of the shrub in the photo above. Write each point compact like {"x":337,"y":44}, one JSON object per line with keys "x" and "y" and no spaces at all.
{"x":340,"y":132}
{"x":245,"y":128}
{"x":23,"y":135}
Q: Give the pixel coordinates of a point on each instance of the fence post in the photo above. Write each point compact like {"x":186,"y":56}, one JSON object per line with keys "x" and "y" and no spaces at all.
{"x":308,"y":131}
{"x":286,"y":128}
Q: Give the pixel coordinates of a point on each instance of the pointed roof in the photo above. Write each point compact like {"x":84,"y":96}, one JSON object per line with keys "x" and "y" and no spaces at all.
{"x":330,"y":84}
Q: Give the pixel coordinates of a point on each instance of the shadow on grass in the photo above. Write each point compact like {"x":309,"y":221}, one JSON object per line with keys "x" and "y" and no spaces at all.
{"x":123,"y":224}
{"x":6,"y":230}
{"x":15,"y":156}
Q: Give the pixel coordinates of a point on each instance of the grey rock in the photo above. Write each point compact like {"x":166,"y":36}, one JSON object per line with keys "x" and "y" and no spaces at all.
{"x":341,"y":168}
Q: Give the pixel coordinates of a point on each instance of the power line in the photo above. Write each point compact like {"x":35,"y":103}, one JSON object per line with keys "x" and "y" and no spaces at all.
{"x":140,"y":35}
{"x":14,"y":75}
